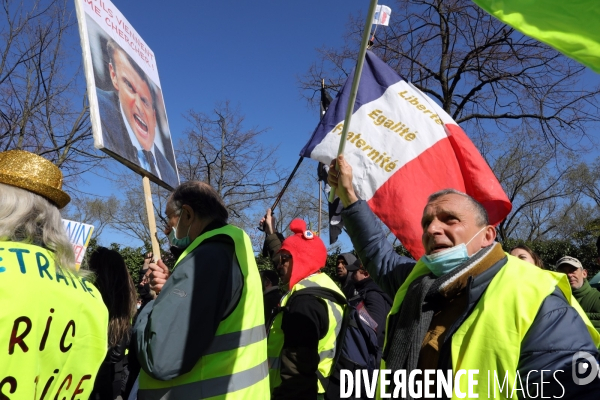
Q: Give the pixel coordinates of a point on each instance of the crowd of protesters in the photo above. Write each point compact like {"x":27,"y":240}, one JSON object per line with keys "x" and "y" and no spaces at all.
{"x":216,"y":327}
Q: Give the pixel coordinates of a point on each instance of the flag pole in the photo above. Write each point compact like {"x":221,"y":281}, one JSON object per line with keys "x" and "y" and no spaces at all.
{"x":320,"y":182}
{"x":320,"y":206}
{"x":354,"y":90}
{"x":260,"y":227}
{"x":286,"y":184}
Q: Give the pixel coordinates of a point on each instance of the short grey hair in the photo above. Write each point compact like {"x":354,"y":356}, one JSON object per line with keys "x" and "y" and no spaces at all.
{"x":482,"y":218}
{"x":30,"y":218}
{"x":202,"y":198}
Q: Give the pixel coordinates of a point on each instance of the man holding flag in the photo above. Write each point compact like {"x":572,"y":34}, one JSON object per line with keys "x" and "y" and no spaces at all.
{"x":465,"y":292}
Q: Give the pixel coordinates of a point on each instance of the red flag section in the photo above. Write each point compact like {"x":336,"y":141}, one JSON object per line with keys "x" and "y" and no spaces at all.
{"x":453,"y":163}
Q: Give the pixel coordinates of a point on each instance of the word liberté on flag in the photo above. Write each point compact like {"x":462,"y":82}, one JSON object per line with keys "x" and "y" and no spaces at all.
{"x":403,"y":147}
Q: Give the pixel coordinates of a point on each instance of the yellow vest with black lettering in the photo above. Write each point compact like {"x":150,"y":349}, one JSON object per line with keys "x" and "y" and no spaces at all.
{"x":235,"y":365}
{"x":504,"y":312}
{"x":53,"y":327}
{"x":326,"y":345}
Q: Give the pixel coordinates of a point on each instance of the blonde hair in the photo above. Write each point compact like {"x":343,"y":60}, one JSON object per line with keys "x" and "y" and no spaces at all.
{"x":30,"y":218}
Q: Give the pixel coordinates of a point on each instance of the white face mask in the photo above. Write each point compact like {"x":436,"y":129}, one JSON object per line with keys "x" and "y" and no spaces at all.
{"x":442,"y":262}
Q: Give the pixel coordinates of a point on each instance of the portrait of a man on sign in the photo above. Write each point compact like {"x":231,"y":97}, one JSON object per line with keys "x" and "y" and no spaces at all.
{"x":126,"y":103}
{"x":128,"y":115}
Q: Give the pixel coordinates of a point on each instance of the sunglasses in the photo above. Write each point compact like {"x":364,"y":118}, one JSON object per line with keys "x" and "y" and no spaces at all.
{"x":284,"y":258}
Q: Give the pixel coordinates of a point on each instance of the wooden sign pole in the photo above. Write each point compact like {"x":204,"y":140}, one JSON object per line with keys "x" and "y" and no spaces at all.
{"x":151,"y":219}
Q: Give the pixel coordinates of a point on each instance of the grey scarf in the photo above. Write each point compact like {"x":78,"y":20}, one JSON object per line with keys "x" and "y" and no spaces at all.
{"x":412,"y":323}
{"x":423,"y":298}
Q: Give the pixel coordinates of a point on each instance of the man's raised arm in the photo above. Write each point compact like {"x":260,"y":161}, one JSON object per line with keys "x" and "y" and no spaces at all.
{"x":388,"y":268}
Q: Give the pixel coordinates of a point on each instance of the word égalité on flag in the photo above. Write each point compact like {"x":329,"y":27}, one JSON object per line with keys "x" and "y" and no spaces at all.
{"x":403,"y":147}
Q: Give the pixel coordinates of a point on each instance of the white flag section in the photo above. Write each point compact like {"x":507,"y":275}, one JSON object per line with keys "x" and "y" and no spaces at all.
{"x":382,"y":15}
{"x":383,"y":133}
{"x":403,"y":147}
{"x":79,"y":236}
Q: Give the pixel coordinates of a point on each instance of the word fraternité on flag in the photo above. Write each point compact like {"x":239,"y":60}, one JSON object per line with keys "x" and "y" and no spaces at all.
{"x":403,"y":147}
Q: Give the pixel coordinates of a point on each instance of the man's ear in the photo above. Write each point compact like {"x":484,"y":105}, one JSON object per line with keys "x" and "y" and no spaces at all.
{"x":490,"y":235}
{"x":584,"y":273}
{"x":113,"y":76}
{"x":187,"y":214}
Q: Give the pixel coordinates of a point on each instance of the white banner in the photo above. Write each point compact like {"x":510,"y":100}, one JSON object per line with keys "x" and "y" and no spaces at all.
{"x":79,"y":235}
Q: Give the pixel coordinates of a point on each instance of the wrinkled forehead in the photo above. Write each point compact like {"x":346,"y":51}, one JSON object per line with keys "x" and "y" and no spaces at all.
{"x":448,"y":204}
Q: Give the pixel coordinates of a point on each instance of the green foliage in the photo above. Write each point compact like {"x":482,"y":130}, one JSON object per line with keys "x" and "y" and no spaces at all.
{"x":331,"y":263}
{"x":264,"y":263}
{"x":589,"y":234}
{"x":400,"y":249}
{"x":133,"y":257}
{"x":550,"y":251}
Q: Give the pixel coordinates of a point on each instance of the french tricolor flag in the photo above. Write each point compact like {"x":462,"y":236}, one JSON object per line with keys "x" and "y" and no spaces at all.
{"x":403,"y":147}
{"x":382,"y":15}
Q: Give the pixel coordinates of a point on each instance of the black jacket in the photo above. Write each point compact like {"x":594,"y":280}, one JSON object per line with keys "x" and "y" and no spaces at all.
{"x":271,"y":300}
{"x":112,"y":374}
{"x":377,"y":303}
{"x":554,"y":338}
{"x":272,"y":245}
{"x":305,"y":321}
{"x":348,"y":286}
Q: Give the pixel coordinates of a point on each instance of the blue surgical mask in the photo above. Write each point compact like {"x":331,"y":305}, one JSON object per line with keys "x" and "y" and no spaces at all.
{"x":447,"y":260}
{"x":180,"y":243}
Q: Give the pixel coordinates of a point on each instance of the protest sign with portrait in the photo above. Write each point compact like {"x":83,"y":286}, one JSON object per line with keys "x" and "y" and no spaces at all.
{"x":127,"y":109}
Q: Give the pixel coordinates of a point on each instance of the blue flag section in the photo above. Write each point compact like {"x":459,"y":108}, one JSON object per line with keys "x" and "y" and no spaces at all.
{"x":376,"y":77}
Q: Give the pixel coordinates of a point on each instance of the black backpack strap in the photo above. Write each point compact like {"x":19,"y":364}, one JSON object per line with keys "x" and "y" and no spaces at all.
{"x":340,"y":299}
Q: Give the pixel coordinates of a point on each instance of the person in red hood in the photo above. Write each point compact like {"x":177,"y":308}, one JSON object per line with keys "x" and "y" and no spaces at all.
{"x":303,"y":335}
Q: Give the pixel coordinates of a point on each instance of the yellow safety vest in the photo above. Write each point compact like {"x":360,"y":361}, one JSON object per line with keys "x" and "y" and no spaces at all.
{"x":53,"y":327}
{"x":503,"y":315}
{"x":326,"y":345}
{"x":235,"y":365}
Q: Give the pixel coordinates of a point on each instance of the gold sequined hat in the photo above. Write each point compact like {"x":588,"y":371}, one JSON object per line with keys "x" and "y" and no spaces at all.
{"x":31,"y":172}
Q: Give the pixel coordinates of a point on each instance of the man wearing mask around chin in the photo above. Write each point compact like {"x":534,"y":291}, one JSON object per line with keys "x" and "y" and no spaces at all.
{"x":466,"y":304}
{"x":204,"y":335}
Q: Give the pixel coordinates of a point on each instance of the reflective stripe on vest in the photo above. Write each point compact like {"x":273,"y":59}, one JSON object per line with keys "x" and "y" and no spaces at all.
{"x":326,"y":346}
{"x":504,"y":314}
{"x":214,"y":387}
{"x":235,"y":365}
{"x":54,"y":327}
